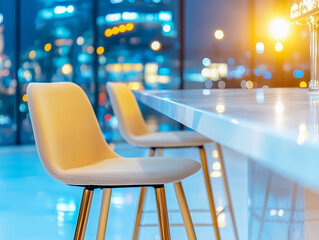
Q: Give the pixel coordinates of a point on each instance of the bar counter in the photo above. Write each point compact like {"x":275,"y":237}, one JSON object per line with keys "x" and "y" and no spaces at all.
{"x":278,"y":128}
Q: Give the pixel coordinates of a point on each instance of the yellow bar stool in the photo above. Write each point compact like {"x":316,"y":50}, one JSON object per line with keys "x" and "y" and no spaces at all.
{"x":72,"y":150}
{"x":133,"y":128}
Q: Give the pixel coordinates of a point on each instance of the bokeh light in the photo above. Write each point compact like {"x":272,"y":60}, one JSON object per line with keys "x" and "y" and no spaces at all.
{"x":122,"y":28}
{"x":47,"y":47}
{"x":25,"y":98}
{"x":220,"y":108}
{"x":206,"y":61}
{"x":100,"y":50}
{"x":134,"y":85}
{"x":129,"y":26}
{"x":219,"y":34}
{"x":90,"y":49}
{"x":80,"y":41}
{"x":67,"y":69}
{"x":108,"y":32}
{"x":303,"y":84}
{"x":115,"y":30}
{"x":279,"y":47}
{"x":167,"y":28}
{"x":32,"y":55}
{"x":156,"y":45}
{"x":260,"y":47}
{"x":279,"y":28}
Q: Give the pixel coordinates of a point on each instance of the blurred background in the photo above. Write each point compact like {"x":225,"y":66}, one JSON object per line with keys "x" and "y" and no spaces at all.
{"x":149,"y":44}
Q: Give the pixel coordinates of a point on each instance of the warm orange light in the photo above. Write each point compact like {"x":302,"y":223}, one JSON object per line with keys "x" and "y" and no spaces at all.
{"x":32,"y":55}
{"x":220,"y":108}
{"x":249,"y":84}
{"x":279,"y":47}
{"x":122,"y":28}
{"x":303,"y":84}
{"x":279,"y":28}
{"x":90,"y":49}
{"x":219,"y":34}
{"x":47,"y":47}
{"x":67,"y":69}
{"x":25,"y":98}
{"x":108,"y":32}
{"x":215,"y":174}
{"x":129,"y":26}
{"x":115,"y":30}
{"x":100,"y":50}
{"x":156,"y":45}
{"x":215,"y":154}
{"x":134,"y":85}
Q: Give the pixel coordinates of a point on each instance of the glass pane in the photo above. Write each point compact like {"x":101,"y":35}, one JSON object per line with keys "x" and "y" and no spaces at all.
{"x":217,"y":50}
{"x":7,"y":76}
{"x":56,"y":45}
{"x":139,"y":45}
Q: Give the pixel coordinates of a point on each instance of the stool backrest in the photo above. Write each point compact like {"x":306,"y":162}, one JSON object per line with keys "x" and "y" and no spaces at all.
{"x":66,"y":131}
{"x":125,"y":107}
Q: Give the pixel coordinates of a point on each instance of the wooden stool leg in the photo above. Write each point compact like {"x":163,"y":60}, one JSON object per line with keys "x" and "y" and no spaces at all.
{"x":209,"y":191}
{"x":104,"y":213}
{"x":185,"y":211}
{"x":83,"y":214}
{"x":162,"y":212}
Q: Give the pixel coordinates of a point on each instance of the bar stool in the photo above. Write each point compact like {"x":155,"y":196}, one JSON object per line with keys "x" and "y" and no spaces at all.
{"x":72,"y":150}
{"x":133,"y":128}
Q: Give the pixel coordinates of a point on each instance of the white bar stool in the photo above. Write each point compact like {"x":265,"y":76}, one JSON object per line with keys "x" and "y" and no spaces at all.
{"x":72,"y":150}
{"x":133,"y":128}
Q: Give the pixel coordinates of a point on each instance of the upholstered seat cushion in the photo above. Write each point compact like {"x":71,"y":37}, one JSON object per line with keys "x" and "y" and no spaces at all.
{"x":170,"y":139}
{"x":130,"y":171}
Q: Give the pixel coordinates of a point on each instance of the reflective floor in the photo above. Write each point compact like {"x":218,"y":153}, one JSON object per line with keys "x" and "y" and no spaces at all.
{"x":35,"y":206}
{"x":267,"y":206}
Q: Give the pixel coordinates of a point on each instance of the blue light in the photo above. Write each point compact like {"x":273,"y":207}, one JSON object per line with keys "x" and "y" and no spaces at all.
{"x":113,"y":17}
{"x":59,"y":9}
{"x":157,"y":1}
{"x":149,"y":17}
{"x":167,"y":28}
{"x":165,"y":16}
{"x":164,"y":71}
{"x":231,"y":61}
{"x":239,"y":72}
{"x":84,"y":58}
{"x":267,"y":75}
{"x":46,"y":13}
{"x":206,"y":62}
{"x":1,"y":18}
{"x":260,"y":96}
{"x":22,"y":107}
{"x":130,"y":16}
{"x":241,"y":69}
{"x":70,"y":9}
{"x":258,"y":72}
{"x":299,"y":73}
{"x":165,"y":127}
{"x":116,"y":1}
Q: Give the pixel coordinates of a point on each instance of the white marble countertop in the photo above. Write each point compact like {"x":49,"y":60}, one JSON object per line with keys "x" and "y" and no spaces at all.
{"x":276,"y":127}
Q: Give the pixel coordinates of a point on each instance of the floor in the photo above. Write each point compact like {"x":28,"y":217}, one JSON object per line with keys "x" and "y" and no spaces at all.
{"x":34,"y":206}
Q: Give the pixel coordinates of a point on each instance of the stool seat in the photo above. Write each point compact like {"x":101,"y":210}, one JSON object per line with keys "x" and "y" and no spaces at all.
{"x":130,"y":172}
{"x":172,"y":139}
